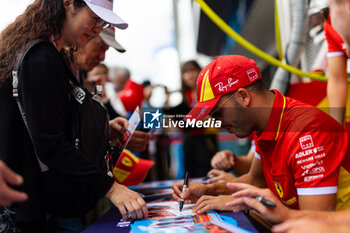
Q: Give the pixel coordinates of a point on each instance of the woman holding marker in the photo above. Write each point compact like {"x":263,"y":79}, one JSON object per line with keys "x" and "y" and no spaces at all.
{"x":43,"y":145}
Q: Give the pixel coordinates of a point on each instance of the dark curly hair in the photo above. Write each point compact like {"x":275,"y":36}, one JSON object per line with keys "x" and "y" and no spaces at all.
{"x":41,"y":19}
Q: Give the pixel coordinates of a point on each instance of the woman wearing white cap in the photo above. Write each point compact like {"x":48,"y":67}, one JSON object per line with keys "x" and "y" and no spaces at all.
{"x":43,"y":92}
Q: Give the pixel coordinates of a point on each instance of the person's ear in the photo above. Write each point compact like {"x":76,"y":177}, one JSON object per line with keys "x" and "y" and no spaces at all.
{"x":243,"y":97}
{"x":67,"y":3}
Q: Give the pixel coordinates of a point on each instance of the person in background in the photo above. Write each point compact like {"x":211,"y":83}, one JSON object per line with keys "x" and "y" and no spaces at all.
{"x":44,"y":92}
{"x":92,"y":54}
{"x":340,"y":16}
{"x":147,"y":92}
{"x":85,"y":64}
{"x":337,"y":85}
{"x":119,"y":76}
{"x":226,"y":160}
{"x":199,"y":145}
{"x":99,"y":76}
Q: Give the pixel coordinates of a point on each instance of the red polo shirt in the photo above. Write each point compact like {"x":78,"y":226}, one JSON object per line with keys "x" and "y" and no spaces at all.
{"x":301,"y":150}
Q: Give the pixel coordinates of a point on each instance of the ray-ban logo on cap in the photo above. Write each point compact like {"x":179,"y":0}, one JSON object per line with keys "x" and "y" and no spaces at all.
{"x":252,"y":74}
{"x":221,"y":87}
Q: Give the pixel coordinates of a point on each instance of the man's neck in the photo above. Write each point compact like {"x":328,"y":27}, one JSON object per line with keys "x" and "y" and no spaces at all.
{"x":264,"y":109}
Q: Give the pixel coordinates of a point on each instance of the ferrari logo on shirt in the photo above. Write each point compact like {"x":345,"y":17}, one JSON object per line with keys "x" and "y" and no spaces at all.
{"x":279,"y":189}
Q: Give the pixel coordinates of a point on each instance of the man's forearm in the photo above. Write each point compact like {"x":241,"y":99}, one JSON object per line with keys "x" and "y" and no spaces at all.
{"x":248,"y":179}
{"x":242,"y":165}
{"x":221,"y":188}
{"x":215,"y":189}
{"x":333,"y":216}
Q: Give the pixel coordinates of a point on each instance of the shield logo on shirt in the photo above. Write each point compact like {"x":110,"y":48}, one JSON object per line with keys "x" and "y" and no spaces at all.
{"x":279,"y":189}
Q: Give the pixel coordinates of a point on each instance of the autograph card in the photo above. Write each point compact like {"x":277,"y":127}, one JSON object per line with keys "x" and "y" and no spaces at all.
{"x":134,"y":120}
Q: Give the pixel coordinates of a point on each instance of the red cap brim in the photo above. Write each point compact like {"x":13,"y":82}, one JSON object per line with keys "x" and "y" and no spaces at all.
{"x":202,"y":109}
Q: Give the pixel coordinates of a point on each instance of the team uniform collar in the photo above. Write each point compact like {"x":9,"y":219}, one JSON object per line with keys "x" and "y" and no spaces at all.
{"x":273,"y":127}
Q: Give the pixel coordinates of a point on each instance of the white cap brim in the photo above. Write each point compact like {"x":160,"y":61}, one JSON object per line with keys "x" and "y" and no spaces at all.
{"x":108,"y":37}
{"x":107,"y":15}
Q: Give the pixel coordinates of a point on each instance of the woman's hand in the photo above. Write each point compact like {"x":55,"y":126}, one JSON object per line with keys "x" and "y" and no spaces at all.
{"x":129,"y":203}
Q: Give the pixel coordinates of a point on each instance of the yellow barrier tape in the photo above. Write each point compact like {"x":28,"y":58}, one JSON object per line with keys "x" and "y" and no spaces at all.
{"x":277,"y":33}
{"x":244,"y":43}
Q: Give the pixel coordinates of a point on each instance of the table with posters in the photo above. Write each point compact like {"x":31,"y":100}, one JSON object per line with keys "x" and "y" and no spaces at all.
{"x":156,"y":195}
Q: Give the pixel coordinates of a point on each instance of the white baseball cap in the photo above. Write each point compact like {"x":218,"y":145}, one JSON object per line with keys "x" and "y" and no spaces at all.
{"x":104,"y":10}
{"x":108,"y":37}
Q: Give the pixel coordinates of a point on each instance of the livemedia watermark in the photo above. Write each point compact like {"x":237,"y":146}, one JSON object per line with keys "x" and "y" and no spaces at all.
{"x":158,"y":120}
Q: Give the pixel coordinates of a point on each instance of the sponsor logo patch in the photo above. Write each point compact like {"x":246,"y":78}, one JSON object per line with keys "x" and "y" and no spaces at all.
{"x":311,"y":178}
{"x":306,"y":142}
{"x":252,"y":74}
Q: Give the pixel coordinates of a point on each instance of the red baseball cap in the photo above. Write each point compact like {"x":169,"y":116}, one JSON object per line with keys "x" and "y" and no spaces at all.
{"x":222,"y":76}
{"x":131,"y":170}
{"x":132,"y":95}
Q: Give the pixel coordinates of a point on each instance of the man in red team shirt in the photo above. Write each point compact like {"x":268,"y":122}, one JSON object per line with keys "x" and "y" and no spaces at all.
{"x":299,"y":148}
{"x":308,"y":221}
